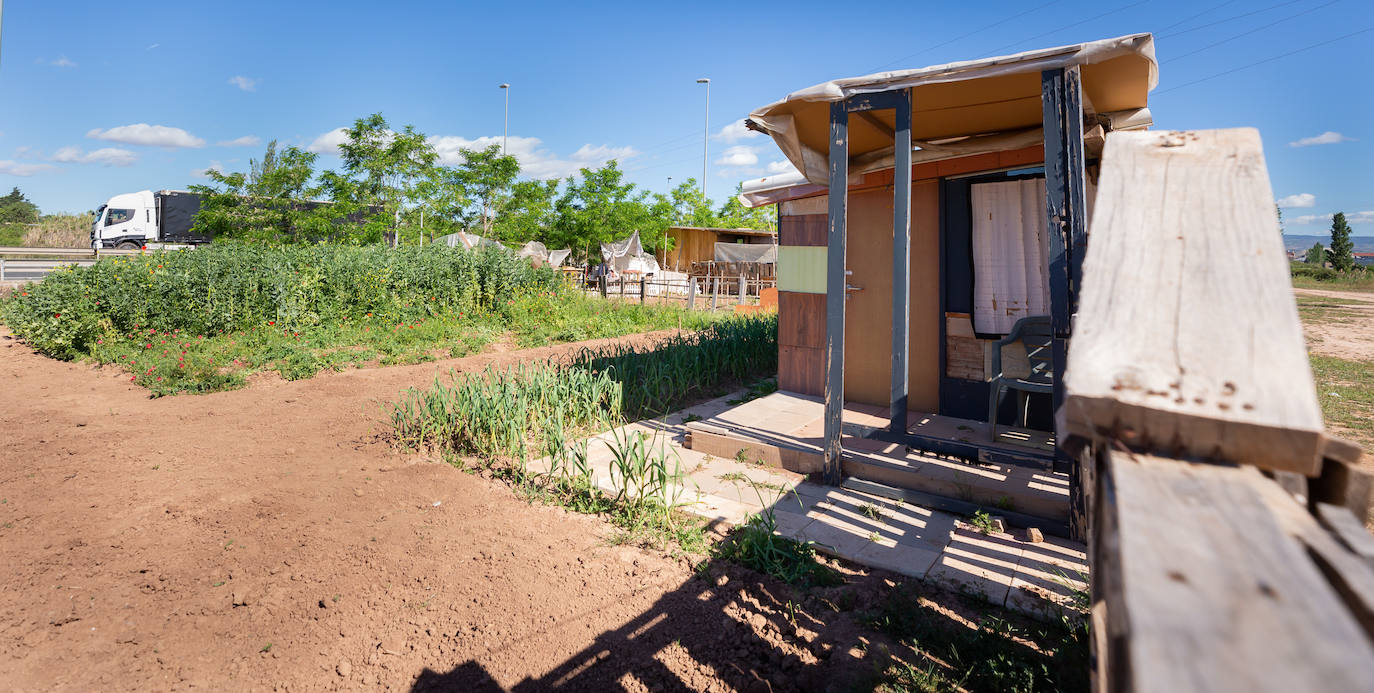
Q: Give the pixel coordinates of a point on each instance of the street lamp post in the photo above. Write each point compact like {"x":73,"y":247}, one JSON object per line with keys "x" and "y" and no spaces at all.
{"x":665,"y":229}
{"x":505,"y":132}
{"x":705,"y":133}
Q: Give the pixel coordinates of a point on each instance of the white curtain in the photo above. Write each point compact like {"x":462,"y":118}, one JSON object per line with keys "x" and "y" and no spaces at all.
{"x":1010,"y":254}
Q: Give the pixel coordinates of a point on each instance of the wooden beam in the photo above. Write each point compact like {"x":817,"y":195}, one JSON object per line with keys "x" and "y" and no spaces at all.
{"x":1187,"y":338}
{"x":835,"y":293}
{"x":1207,"y":580}
{"x":901,"y":264}
{"x":882,"y":127}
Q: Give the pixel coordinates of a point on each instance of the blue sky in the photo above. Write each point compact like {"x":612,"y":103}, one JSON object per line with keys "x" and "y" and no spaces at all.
{"x":103,"y":98}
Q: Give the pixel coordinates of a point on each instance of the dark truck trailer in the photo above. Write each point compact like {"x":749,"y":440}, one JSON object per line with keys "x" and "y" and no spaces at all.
{"x":134,"y":220}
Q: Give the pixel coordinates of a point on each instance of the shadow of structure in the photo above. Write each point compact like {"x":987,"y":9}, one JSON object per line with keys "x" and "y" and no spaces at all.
{"x":729,"y":628}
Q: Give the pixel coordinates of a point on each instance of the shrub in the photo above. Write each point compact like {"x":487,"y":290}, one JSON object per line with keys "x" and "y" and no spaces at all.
{"x":228,"y":287}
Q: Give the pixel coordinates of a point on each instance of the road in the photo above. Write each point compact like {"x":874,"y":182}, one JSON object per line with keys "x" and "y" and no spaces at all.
{"x":33,"y":270}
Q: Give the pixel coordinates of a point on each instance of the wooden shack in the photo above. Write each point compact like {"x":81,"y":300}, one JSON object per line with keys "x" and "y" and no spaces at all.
{"x":698,"y":244}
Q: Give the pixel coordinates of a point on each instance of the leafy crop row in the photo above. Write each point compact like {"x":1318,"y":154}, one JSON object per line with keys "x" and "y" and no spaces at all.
{"x":228,"y":287}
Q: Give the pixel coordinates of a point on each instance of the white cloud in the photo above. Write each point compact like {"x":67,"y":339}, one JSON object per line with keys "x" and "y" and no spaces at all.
{"x":244,"y":83}
{"x":148,"y":136}
{"x":1327,"y":137}
{"x":107,"y":156}
{"x":1298,"y":200}
{"x":1365,"y":217}
{"x":734,"y":132}
{"x":215,"y":165}
{"x":245,"y":141}
{"x":783,"y":166}
{"x":14,"y":168}
{"x":62,"y":61}
{"x":329,"y":142}
{"x":738,"y":155}
{"x":152,"y":46}
{"x":27,"y":152}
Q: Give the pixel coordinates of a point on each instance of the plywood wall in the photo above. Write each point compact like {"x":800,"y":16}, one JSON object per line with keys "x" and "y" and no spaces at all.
{"x":868,"y":333}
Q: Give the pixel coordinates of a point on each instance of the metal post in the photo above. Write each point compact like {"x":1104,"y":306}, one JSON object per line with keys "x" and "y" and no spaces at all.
{"x":835,"y":290}
{"x":705,"y":134}
{"x":601,"y":284}
{"x":715,"y":292}
{"x":1065,"y":202}
{"x":901,"y":263}
{"x":691,"y":292}
{"x":642,"y":279}
{"x":743,"y":290}
{"x":505,"y":132}
{"x":2,"y":269}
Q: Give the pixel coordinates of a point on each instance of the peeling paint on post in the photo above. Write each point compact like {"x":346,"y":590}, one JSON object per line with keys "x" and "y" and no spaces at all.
{"x":835,"y":289}
{"x":901,"y":263}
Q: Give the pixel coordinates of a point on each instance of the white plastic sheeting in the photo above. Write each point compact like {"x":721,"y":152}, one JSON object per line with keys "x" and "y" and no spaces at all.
{"x":1010,"y":254}
{"x":467,"y":240}
{"x":627,"y":255}
{"x":542,"y":255}
{"x":746,"y":252}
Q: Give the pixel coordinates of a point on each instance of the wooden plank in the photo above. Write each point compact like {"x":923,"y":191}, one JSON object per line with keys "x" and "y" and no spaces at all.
{"x":801,"y":370}
{"x":1343,"y":450}
{"x":1210,"y":592}
{"x":1344,"y":485}
{"x":1187,"y":337}
{"x":801,"y":319}
{"x":802,"y":229}
{"x":1349,"y":530}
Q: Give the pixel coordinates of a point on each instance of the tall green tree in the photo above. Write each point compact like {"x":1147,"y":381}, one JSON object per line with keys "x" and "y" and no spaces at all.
{"x":733,"y":214}
{"x":484,"y":179}
{"x":1341,"y":254}
{"x":381,"y":170}
{"x":15,"y":208}
{"x":269,"y":202}
{"x":596,"y":207}
{"x":1316,"y":255}
{"x":528,"y":214}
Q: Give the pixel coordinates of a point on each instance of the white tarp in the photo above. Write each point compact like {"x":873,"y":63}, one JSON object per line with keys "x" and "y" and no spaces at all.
{"x":746,"y":252}
{"x":542,"y":255}
{"x":467,"y":240}
{"x":627,"y":255}
{"x":1010,"y":254}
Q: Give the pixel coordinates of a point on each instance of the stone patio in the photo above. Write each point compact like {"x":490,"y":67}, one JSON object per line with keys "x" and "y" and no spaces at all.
{"x":1006,"y":569}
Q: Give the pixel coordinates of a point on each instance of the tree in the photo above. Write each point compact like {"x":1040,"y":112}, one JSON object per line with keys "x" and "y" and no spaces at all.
{"x":528,"y":214}
{"x":1341,"y":254}
{"x":484,"y":180}
{"x":596,"y":208}
{"x":1316,"y":255}
{"x":381,"y":169}
{"x":15,"y":208}
{"x":733,"y":214}
{"x":270,"y":202}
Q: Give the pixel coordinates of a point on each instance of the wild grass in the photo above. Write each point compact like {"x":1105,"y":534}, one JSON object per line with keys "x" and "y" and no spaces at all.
{"x":1345,"y":389}
{"x":944,"y":651}
{"x":1307,"y":276}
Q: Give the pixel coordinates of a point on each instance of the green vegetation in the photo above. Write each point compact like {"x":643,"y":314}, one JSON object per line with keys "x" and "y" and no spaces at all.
{"x":1346,"y":391}
{"x":521,"y":410}
{"x":757,"y":545}
{"x":502,"y":418}
{"x":1307,"y":276}
{"x":391,"y":186}
{"x":943,"y":651}
{"x":199,"y":321}
{"x":1341,"y":254}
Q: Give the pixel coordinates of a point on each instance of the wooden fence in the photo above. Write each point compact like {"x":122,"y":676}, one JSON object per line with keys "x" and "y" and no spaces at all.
{"x":1225,"y":527}
{"x":695,"y":293}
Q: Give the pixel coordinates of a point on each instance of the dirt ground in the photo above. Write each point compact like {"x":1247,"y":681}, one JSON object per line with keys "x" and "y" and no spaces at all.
{"x":1348,"y":331}
{"x":269,"y":538}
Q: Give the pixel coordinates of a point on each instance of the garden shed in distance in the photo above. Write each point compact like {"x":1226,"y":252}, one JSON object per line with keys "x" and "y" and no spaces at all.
{"x":698,"y":244}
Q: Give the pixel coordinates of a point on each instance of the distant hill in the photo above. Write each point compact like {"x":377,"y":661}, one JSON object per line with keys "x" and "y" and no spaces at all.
{"x":1300,"y":244}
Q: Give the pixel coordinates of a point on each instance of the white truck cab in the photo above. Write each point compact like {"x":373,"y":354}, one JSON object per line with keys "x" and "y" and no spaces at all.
{"x":137,"y":219}
{"x":126,"y":221}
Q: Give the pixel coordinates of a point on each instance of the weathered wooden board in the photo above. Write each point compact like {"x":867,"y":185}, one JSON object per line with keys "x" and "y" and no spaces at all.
{"x":1206,"y":587}
{"x":1187,"y":338}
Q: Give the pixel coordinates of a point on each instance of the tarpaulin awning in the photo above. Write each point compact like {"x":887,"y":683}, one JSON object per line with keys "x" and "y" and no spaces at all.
{"x":746,"y":252}
{"x":972,"y":98}
{"x":627,"y":255}
{"x":468,"y":241}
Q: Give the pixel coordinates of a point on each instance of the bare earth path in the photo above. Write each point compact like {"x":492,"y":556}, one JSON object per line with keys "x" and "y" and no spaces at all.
{"x":163,"y":544}
{"x":1347,"y":330}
